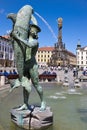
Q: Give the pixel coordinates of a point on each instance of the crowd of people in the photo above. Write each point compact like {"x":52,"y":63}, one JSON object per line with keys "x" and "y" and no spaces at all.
{"x":6,"y":73}
{"x":75,"y":70}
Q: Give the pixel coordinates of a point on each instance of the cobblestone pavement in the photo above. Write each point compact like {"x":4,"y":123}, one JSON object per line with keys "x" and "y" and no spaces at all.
{"x":5,"y":87}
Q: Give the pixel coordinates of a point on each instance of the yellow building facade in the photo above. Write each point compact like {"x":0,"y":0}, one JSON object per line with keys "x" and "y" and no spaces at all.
{"x":44,"y":56}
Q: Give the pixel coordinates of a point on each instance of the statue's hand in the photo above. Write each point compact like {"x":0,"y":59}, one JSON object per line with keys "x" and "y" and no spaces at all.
{"x":16,"y":35}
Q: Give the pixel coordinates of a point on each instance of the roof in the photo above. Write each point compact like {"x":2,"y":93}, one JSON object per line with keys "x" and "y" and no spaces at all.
{"x":46,"y":48}
{"x":52,"y":48}
{"x":83,"y":48}
{"x":6,"y":37}
{"x":70,"y":53}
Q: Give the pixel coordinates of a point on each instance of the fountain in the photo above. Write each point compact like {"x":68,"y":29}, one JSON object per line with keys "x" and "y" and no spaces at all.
{"x":25,"y":37}
{"x":68,"y":105}
{"x":69,"y":108}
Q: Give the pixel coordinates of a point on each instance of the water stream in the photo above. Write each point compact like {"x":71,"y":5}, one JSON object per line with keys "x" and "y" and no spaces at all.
{"x":46,"y":23}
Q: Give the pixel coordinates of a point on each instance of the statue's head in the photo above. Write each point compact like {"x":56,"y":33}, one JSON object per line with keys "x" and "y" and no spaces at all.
{"x":34,"y":30}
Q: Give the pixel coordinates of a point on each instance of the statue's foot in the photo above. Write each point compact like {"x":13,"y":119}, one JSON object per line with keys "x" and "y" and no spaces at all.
{"x":23,"y":107}
{"x":17,"y":83}
{"x":43,"y":106}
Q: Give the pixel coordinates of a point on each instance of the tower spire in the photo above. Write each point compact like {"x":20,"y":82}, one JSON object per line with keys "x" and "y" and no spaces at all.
{"x":78,"y":44}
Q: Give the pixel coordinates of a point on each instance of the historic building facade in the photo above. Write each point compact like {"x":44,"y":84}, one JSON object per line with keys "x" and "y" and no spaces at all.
{"x":6,"y":52}
{"x":81,"y":56}
{"x":43,"y":55}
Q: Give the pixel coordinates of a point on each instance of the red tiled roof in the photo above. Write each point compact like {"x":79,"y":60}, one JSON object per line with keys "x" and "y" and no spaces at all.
{"x":70,"y":53}
{"x":6,"y":36}
{"x":52,"y":48}
{"x":46,"y":48}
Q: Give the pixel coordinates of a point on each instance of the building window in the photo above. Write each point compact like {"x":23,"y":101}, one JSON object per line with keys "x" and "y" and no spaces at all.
{"x":0,"y":46}
{"x":81,"y":57}
{"x":11,"y":50}
{"x":1,"y":55}
{"x":6,"y":56}
{"x":81,"y":62}
{"x":82,"y":52}
{"x":41,"y":55}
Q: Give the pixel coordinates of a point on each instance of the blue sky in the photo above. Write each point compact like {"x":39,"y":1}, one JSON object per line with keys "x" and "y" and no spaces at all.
{"x":73,"y":12}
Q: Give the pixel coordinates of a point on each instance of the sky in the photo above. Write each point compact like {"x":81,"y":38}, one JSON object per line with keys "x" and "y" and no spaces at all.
{"x":73,"y":13}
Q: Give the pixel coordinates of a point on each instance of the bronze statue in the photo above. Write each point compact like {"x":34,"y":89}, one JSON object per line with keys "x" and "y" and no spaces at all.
{"x":25,"y":35}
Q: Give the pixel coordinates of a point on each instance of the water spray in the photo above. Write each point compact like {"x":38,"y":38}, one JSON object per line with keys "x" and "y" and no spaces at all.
{"x":49,"y":27}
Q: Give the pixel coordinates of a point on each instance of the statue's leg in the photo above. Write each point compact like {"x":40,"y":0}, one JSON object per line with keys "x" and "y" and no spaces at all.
{"x":35,"y":81}
{"x":26,"y":91}
{"x":26,"y":96}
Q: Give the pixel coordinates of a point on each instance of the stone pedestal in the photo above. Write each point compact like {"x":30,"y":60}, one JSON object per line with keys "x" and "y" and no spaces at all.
{"x":35,"y":119}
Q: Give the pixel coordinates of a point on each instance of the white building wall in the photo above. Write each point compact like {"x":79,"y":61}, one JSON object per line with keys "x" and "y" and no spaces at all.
{"x":81,"y":56}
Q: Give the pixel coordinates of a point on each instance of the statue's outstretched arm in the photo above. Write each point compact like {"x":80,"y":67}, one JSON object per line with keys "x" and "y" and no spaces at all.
{"x":31,"y":44}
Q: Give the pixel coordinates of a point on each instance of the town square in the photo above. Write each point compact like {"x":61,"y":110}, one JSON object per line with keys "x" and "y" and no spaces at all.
{"x":43,"y":65}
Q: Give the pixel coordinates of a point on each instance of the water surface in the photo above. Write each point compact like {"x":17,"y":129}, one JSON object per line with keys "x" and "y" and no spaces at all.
{"x":69,"y":107}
